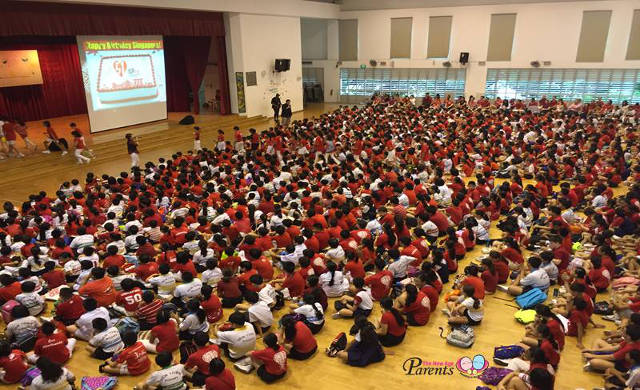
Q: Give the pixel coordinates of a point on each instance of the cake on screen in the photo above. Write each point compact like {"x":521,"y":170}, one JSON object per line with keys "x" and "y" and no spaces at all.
{"x":126,"y":78}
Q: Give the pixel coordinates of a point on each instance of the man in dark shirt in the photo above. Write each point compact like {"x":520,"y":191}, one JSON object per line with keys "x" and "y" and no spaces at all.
{"x":286,"y":113}
{"x":275,"y":105}
{"x":132,"y":149}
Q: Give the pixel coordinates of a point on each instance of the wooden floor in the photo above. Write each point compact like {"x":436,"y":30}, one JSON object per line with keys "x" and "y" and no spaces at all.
{"x":34,"y":173}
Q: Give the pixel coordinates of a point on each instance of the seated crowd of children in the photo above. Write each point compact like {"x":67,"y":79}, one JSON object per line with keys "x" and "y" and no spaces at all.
{"x":363,"y":207}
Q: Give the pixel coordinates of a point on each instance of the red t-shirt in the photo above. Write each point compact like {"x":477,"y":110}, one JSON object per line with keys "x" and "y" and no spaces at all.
{"x":167,"y":335}
{"x":264,"y":268}
{"x":355,"y":269}
{"x":136,"y":359}
{"x":477,"y":284}
{"x":14,"y":366}
{"x":420,"y":309}
{"x":304,"y":341}
{"x":115,"y":260}
{"x":9,"y":292}
{"x":624,"y":349}
{"x":101,"y":290}
{"x":144,"y":271}
{"x":130,"y":300}
{"x":54,"y":347}
{"x":275,"y":362}
{"x":54,"y":278}
{"x":502,"y":269}
{"x":552,"y":355}
{"x":557,"y":331}
{"x":576,"y":317}
{"x":71,"y":309}
{"x":202,"y":357}
{"x":433,"y":295}
{"x":393,"y":328}
{"x":222,"y":381}
{"x":213,"y":308}
{"x":380,"y":284}
{"x":295,"y":283}
{"x":490,"y":281}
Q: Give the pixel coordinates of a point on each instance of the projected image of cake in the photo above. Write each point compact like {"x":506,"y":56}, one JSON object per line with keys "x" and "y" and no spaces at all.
{"x":126,"y":78}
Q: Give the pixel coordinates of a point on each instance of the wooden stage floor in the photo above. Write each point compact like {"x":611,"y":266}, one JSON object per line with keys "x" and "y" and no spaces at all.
{"x":34,"y":173}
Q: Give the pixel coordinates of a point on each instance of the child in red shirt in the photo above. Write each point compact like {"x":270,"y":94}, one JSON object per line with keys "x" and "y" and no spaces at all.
{"x":69,"y":308}
{"x":133,"y":360}
{"x":13,"y":362}
{"x":272,"y":360}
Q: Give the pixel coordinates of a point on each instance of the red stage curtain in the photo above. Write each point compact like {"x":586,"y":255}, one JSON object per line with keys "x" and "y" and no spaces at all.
{"x":196,"y":55}
{"x":176,"y":75}
{"x":62,"y":91}
{"x":223,"y":75}
{"x":36,"y":18}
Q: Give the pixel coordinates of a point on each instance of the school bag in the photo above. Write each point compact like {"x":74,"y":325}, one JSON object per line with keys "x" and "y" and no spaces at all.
{"x":98,"y":382}
{"x":493,"y":375}
{"x":525,"y":316}
{"x":624,"y":282}
{"x":6,"y":310}
{"x":126,"y":325}
{"x":507,"y":351}
{"x":338,"y":344}
{"x":29,"y":376}
{"x":603,"y":308}
{"x":531,"y":298}
{"x":461,"y":336}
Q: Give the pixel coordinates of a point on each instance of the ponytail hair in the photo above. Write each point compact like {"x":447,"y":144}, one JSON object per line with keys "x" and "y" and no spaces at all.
{"x":331,"y":266}
{"x":309,"y":299}
{"x":469,"y":291}
{"x":545,"y":311}
{"x":289,"y":327}
{"x":412,"y":294}
{"x":545,"y":333}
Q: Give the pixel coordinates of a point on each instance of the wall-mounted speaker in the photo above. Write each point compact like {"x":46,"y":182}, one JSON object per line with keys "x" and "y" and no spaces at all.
{"x":373,"y":62}
{"x":446,"y":64}
{"x":464,"y":57}
{"x":535,"y":64}
{"x":482,"y":63}
{"x":546,"y":63}
{"x":282,"y":64}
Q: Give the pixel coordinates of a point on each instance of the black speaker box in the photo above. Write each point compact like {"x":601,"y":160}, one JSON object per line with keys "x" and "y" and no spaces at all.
{"x":464,"y":57}
{"x":187,"y":120}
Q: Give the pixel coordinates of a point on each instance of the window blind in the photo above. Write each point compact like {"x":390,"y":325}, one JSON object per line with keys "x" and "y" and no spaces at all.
{"x":439,"y":36}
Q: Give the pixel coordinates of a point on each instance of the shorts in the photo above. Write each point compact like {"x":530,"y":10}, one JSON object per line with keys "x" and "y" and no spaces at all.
{"x":389,"y":340}
{"x":470,"y":320}
{"x":296,"y":355}
{"x":100,"y":354}
{"x":361,"y":312}
{"x":11,"y":142}
{"x":267,"y":377}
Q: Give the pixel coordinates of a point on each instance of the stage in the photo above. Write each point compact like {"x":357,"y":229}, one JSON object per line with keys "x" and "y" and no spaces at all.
{"x":37,"y":171}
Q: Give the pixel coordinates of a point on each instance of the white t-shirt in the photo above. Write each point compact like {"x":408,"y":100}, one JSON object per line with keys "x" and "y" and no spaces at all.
{"x":165,"y":283}
{"x":474,"y":314}
{"x":84,"y":323}
{"x":32,"y":301}
{"x":193,"y":325}
{"x":261,"y":313}
{"x":189,"y":290}
{"x":109,"y":340}
{"x":340,"y":284}
{"x":61,"y":384}
{"x":399,"y":267}
{"x":170,"y":378}
{"x":366,"y":300}
{"x":212,"y":276}
{"x":267,"y":294}
{"x":240,"y":340}
{"x":536,"y":278}
{"x":310,"y":313}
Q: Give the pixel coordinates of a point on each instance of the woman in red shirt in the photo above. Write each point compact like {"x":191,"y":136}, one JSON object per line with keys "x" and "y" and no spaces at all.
{"x":297,"y":339}
{"x":392,"y":327}
{"x":489,"y":276}
{"x":221,"y":378}
{"x":272,"y":360}
{"x":164,"y":336}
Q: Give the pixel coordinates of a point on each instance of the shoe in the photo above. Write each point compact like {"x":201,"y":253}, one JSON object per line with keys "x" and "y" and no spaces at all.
{"x":335,"y":316}
{"x":46,"y":151}
{"x":501,"y":362}
{"x":611,"y":317}
{"x":102,"y":366}
{"x":502,"y":288}
{"x":587,"y":367}
{"x":64,"y":152}
{"x":446,"y":312}
{"x":245,"y":365}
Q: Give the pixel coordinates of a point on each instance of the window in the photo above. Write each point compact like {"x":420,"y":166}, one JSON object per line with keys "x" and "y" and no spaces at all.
{"x":439,"y":36}
{"x":402,"y":81}
{"x":401,"y":37}
{"x":348,"y":40}
{"x":586,"y":84}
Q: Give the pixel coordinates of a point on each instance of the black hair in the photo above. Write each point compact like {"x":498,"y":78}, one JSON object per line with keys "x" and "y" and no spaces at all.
{"x":387,"y":304}
{"x":49,"y":370}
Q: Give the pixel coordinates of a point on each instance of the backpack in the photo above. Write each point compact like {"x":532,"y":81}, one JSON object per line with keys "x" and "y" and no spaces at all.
{"x":98,"y":382}
{"x":6,"y":310}
{"x":525,"y":316}
{"x":126,"y":325}
{"x":507,"y":351}
{"x":461,"y":336}
{"x":603,"y":308}
{"x":531,"y":298}
{"x":338,"y":344}
{"x":29,"y":376}
{"x":493,"y":375}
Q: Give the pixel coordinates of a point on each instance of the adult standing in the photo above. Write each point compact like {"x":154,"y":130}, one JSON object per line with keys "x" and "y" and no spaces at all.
{"x":286,"y":113}
{"x":275,"y":105}
{"x":132,"y":149}
{"x":8,"y":128}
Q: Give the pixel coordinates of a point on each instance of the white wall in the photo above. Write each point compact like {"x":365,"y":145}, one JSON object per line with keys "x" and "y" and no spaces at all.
{"x":314,"y":38}
{"x":543,"y":32}
{"x":255,"y":41}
